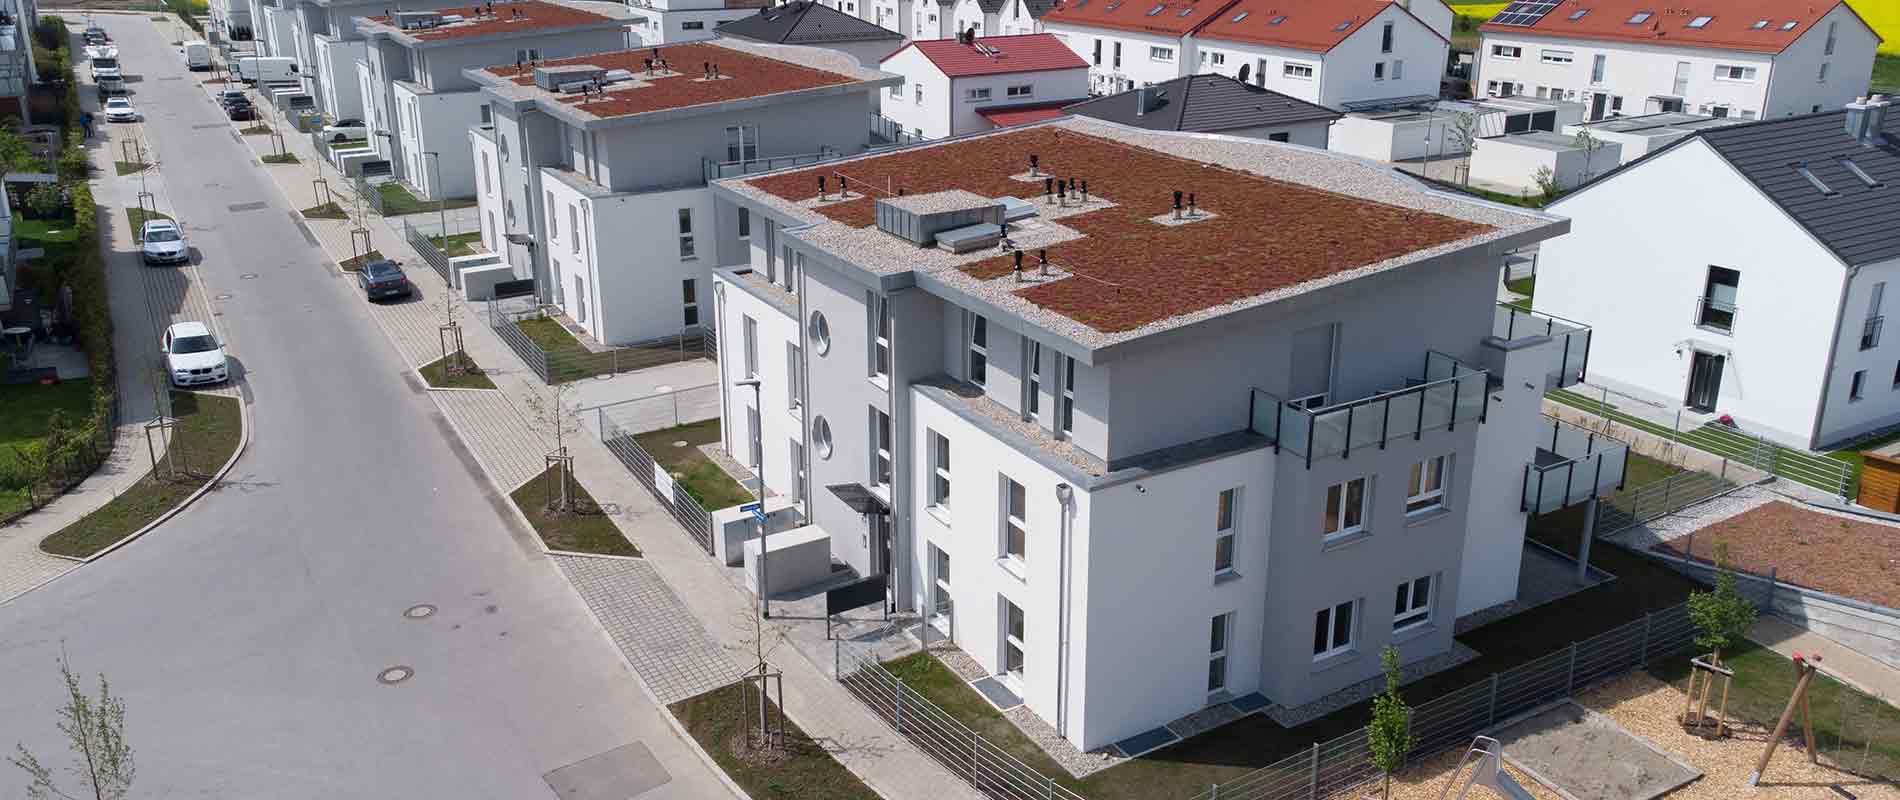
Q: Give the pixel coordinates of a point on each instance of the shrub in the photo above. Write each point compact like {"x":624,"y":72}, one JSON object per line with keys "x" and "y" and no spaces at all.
{"x":73,"y":164}
{"x":46,"y":200}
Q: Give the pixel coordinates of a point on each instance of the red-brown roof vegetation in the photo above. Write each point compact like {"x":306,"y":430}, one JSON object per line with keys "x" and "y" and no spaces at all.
{"x":513,"y":17}
{"x":744,"y":75}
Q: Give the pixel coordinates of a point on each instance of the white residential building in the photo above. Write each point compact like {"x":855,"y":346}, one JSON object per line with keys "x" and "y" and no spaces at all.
{"x":230,"y":18}
{"x":808,"y":23}
{"x":315,"y":33}
{"x":953,"y":86}
{"x":1129,"y":44}
{"x":419,"y":102}
{"x":1128,"y":489}
{"x":1782,"y":328}
{"x":605,"y":194}
{"x":659,"y":22}
{"x":1628,"y":57}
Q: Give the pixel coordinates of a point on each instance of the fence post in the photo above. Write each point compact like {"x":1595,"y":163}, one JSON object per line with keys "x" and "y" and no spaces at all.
{"x":1642,"y":658}
{"x":1052,"y":789}
{"x":1491,"y":716}
{"x":1312,"y":775}
{"x":900,"y":708}
{"x":974,"y":750}
{"x":1570,"y":682}
{"x":837,"y":670}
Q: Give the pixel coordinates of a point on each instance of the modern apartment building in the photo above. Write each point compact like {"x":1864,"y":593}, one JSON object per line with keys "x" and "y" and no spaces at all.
{"x":812,"y":24}
{"x":322,"y":36}
{"x":230,"y":18}
{"x":661,"y":22}
{"x":18,"y":18}
{"x":419,"y":103}
{"x":601,"y":195}
{"x":1150,"y":455}
{"x":975,"y":83}
{"x":1784,"y":328}
{"x":1754,"y":59}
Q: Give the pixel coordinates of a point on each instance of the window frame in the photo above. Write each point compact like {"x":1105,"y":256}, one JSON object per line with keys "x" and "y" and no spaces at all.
{"x":1337,"y":509}
{"x":1333,"y":645}
{"x":1013,"y":529}
{"x":1160,"y":54}
{"x":689,"y":302}
{"x":939,"y":454}
{"x":976,"y":362}
{"x":1557,"y":57}
{"x":745,"y":223}
{"x":1415,"y":614}
{"x":1065,"y":406}
{"x":1032,"y":379}
{"x":1516,"y":54}
{"x":1296,"y":70}
{"x":1015,"y":633}
{"x":1857,"y":387}
{"x":689,"y":248}
{"x":1419,"y":498}
{"x":1226,"y":531}
{"x":976,"y":94}
{"x":880,"y":366}
{"x":794,"y":378}
{"x":1023,"y":90}
{"x":1220,"y":635}
{"x":881,"y":449}
{"x":750,"y":338}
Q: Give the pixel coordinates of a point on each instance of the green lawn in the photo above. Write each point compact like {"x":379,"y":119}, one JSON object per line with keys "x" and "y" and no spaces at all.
{"x":437,"y":375}
{"x":256,"y":130}
{"x":584,"y":530}
{"x":929,"y":677}
{"x":29,"y":407}
{"x":209,"y":428}
{"x":43,"y":232}
{"x":280,"y":158}
{"x":677,"y":451}
{"x":802,"y":771}
{"x":355,"y":263}
{"x":1795,"y":465}
{"x":547,"y":334}
{"x":328,"y":210}
{"x":397,"y":201}
{"x":130,"y":167}
{"x":461,"y":244}
{"x":1887,"y":73}
{"x":138,"y":217}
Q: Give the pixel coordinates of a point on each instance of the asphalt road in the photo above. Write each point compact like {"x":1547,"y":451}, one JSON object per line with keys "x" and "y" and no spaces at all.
{"x":246,"y":635}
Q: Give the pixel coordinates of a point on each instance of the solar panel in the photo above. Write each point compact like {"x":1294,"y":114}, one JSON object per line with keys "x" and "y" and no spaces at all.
{"x":1525,"y":13}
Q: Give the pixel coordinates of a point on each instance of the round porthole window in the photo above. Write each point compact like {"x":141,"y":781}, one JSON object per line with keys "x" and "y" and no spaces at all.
{"x":820,"y":332}
{"x":821,"y":437}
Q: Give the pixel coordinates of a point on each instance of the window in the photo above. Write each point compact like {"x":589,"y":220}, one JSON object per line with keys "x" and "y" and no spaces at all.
{"x":745,"y":223}
{"x":1345,"y":508}
{"x":1413,"y":604}
{"x":979,"y":349}
{"x":797,"y":455}
{"x":1854,"y":169}
{"x":1828,"y":49}
{"x":821,"y":437}
{"x":794,"y":378}
{"x":1066,"y":408}
{"x":1509,"y":51}
{"x":1300,"y":71}
{"x":819,"y":332}
{"x":897,"y":91}
{"x":1398,"y":68}
{"x":1118,"y":56}
{"x":1639,"y":18}
{"x":1015,"y":520}
{"x":686,"y":233}
{"x":1812,"y":179}
{"x":1726,"y":72}
{"x":697,"y":25}
{"x":1019,"y":91}
{"x":792,"y":271}
{"x":1217,"y":652}
{"x":1896,"y":375}
{"x":880,"y":336}
{"x":939,"y":470}
{"x":1597,"y":63}
{"x":1822,"y":77}
{"x":1277,"y":20}
{"x":920,"y":94}
{"x":1217,"y":59}
{"x":751,"y":330}
{"x":1332,"y":630}
{"x":488,"y":186}
{"x":1098,"y":52}
{"x":1385,"y":38}
{"x":1426,"y":490}
{"x":1578,"y":14}
{"x":976,"y":94}
{"x":940,"y":604}
{"x":881,"y":449}
{"x":1164,"y":55}
{"x":1378,"y":70}
{"x":1699,"y":22}
{"x":1012,"y":641}
{"x":1225,"y":511}
{"x":524,"y":56}
{"x":1557,"y":56}
{"x":1759,"y":24}
{"x":1855,"y":389}
{"x":1159,"y":7}
{"x":573,"y":226}
{"x":1280,"y":137}
{"x":742,"y":142}
{"x":1343,"y":24}
{"x":1789,"y":25}
{"x":1240,"y":16}
{"x":689,"y":303}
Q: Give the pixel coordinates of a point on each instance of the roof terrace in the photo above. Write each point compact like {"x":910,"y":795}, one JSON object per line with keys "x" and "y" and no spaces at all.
{"x":484,"y":20}
{"x":677,"y":76}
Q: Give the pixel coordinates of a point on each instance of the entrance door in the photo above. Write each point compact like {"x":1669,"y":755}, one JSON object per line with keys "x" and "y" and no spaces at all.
{"x":1705,"y":381}
{"x":881,"y":556}
{"x":1598,"y":104}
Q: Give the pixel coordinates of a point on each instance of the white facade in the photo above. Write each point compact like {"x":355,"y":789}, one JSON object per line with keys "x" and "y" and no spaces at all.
{"x":341,"y":97}
{"x":1120,"y":60}
{"x":1632,"y":78}
{"x":1512,"y":162}
{"x":436,"y":122}
{"x":1798,"y":309}
{"x":933,"y":105}
{"x":1360,"y":69}
{"x":676,"y":21}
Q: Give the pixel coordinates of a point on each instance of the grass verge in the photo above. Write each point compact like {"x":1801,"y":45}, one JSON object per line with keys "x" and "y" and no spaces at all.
{"x":677,"y":451}
{"x":461,"y":244}
{"x":583,"y":531}
{"x":357,"y":262}
{"x":398,"y":201}
{"x":280,"y":158}
{"x":255,"y":130}
{"x":328,"y":210}
{"x":209,"y":428}
{"x":802,"y":769}
{"x":138,"y":217}
{"x":436,"y":373}
{"x":130,"y":167}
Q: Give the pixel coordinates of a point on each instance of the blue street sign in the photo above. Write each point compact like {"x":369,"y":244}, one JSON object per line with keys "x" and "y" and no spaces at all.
{"x":757,"y":510}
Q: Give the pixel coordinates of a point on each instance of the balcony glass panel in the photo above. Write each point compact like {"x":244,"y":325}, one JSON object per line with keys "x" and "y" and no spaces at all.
{"x":1457,"y":396}
{"x":1571,"y":351}
{"x":1570,"y":466}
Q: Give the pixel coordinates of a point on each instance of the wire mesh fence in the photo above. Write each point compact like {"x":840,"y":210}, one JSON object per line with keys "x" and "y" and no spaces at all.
{"x":659,"y":411}
{"x":574,"y":362}
{"x":685,"y":510}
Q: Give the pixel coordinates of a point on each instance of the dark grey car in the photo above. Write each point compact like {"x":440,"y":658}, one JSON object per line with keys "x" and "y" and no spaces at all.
{"x":383,"y":279}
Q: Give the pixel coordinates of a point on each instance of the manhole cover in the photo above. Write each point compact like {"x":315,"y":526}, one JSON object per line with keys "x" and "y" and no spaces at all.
{"x":395,"y":675}
{"x":247,"y":276}
{"x":421,"y":611}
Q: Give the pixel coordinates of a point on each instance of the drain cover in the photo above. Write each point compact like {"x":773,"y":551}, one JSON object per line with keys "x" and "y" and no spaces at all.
{"x":247,"y":276}
{"x":395,"y":675}
{"x":422,"y":611}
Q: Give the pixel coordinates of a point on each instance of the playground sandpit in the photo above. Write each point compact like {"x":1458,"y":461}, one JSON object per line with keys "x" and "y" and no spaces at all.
{"x":1587,"y":756}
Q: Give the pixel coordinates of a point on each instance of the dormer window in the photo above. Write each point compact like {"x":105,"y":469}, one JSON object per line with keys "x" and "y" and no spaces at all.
{"x":1639,"y":18}
{"x":1700,"y":22}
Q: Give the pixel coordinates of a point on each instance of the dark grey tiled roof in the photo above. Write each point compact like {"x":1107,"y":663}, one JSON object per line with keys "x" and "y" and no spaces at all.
{"x":1203,"y":104}
{"x":1860,"y":223}
{"x":807,"y":23}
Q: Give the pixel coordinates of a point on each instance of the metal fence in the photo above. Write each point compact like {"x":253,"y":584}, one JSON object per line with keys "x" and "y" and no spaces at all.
{"x":438,"y":260}
{"x":659,"y":411}
{"x":990,"y":769}
{"x":371,"y":196}
{"x":1658,"y":499}
{"x":574,"y":364}
{"x":685,"y":510}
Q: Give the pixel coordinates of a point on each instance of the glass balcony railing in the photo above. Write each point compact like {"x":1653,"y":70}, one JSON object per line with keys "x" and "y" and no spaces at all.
{"x":1572,"y":358}
{"x":1448,"y":393}
{"x":1571,"y":466}
{"x":715,"y":170}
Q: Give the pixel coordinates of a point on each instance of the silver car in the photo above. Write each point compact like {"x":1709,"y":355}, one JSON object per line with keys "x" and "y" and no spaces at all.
{"x":161,"y":242}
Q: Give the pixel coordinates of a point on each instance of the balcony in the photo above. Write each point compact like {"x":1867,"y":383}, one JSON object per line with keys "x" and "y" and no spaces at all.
{"x":1870,"y":332}
{"x":1572,"y":465}
{"x":1449,"y":392}
{"x":715,"y":170}
{"x":1715,"y":315}
{"x":1570,"y":359}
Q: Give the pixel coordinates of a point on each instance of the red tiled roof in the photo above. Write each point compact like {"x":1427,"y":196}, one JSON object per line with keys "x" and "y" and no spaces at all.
{"x":1137,"y":15}
{"x":513,"y":17}
{"x":1023,"y":114}
{"x":1033,"y":52}
{"x":746,"y":75}
{"x":1732,"y":23}
{"x":1312,"y":25}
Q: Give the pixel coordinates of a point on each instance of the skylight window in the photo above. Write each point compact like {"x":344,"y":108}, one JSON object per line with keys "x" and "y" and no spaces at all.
{"x":1789,"y":25}
{"x":1700,"y":22}
{"x":1240,"y":16}
{"x":1759,"y":24}
{"x":1342,"y":26}
{"x":1277,"y":20}
{"x":1813,"y":180}
{"x":1185,"y":12}
{"x":1155,"y":10}
{"x":1639,"y":18}
{"x":1578,"y":14}
{"x":1850,"y":166}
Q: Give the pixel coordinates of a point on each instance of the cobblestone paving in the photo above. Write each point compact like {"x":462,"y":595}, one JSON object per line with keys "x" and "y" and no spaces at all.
{"x":497,"y":433}
{"x":668,"y":647}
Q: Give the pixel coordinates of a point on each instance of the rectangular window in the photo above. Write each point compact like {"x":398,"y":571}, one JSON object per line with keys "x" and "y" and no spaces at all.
{"x":881,"y":449}
{"x":1118,"y":56}
{"x":1345,"y":508}
{"x":1024,"y":90}
{"x":897,"y":91}
{"x":573,"y":225}
{"x":689,"y":302}
{"x":880,"y":336}
{"x":797,"y":455}
{"x":939,"y":470}
{"x":1506,"y":51}
{"x":1828,"y":49}
{"x":1896,"y":375}
{"x":1728,"y":72}
{"x":488,"y":185}
{"x":751,"y":328}
{"x":794,"y":378}
{"x":1385,"y":38}
{"x":1299,"y":71}
{"x":1032,"y":387}
{"x":1597,"y":64}
{"x":1098,"y":52}
{"x":1332,"y":630}
{"x":686,"y":233}
{"x":1857,"y":389}
{"x":976,"y":94}
{"x":1719,"y":294}
{"x":1823,"y":76}
{"x":1164,"y":55}
{"x":1066,"y":411}
{"x":1378,"y":70}
{"x":1700,"y":22}
{"x":696,"y":25}
{"x":1217,"y":652}
{"x":745,"y":223}
{"x":1412,"y":606}
{"x":1398,"y":68}
{"x":742,"y":142}
{"x":940,"y":604}
{"x":793,"y":270}
{"x":1015,"y":520}
{"x":1279,"y":137}
{"x":1012,"y":641}
{"x":1225,"y":510}
{"x":979,"y":349}
{"x":1558,"y":57}
{"x":1426,"y":490}
{"x":919,"y":93}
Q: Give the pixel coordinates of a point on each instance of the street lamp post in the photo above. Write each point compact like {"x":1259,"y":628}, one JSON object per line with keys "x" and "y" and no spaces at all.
{"x":758,"y":438}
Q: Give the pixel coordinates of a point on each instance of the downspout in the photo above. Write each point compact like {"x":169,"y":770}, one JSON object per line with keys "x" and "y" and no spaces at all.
{"x":1065,"y":496}
{"x":1827,"y":376}
{"x":900,"y":465}
{"x":725,"y":406}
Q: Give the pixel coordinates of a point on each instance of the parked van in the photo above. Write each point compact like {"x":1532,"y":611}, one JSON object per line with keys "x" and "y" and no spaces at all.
{"x":105,"y":67}
{"x":197,"y":56}
{"x":252,"y":69}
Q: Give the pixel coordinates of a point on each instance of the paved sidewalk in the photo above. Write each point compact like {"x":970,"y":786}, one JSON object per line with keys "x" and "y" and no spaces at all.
{"x":713,"y":607}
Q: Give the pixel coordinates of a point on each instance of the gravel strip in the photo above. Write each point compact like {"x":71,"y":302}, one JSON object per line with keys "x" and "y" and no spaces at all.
{"x":1076,"y":762}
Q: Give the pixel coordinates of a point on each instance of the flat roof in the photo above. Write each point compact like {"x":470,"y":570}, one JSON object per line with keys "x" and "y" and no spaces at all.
{"x":1542,"y":140}
{"x":482,"y":21}
{"x":1275,"y":221}
{"x":744,"y":72}
{"x":1665,"y":123}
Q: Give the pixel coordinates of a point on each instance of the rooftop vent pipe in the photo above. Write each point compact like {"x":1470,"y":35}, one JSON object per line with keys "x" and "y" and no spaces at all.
{"x":1865,"y":118}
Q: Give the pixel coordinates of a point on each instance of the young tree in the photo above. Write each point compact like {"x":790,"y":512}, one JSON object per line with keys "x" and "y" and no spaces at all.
{"x":1389,"y":734}
{"x":554,"y":414}
{"x":1464,"y":135}
{"x":1722,"y":615}
{"x":95,"y":729}
{"x":46,"y":199}
{"x":1546,"y":181}
{"x":1590,"y":144}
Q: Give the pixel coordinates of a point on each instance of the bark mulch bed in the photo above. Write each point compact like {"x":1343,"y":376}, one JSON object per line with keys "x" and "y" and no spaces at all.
{"x":743,"y":75}
{"x":1268,"y":234}
{"x":1848,"y":557}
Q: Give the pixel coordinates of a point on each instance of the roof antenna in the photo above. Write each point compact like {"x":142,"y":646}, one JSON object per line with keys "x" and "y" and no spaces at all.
{"x":844,"y":187}
{"x":1192,"y":211}
{"x":1062,"y":194}
{"x":1085,"y":191}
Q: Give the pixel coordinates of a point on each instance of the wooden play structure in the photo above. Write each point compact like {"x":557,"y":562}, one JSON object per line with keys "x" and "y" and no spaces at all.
{"x":1703,"y":673}
{"x":1804,"y":670}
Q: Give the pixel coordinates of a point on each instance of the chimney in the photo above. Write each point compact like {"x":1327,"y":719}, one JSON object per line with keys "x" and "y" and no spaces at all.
{"x":1141,"y":100}
{"x":1865,"y":118}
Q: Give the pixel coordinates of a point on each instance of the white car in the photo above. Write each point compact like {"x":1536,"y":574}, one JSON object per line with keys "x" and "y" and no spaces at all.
{"x":345,"y":130}
{"x":193,"y":356}
{"x":119,"y":109}
{"x":161,"y":242}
